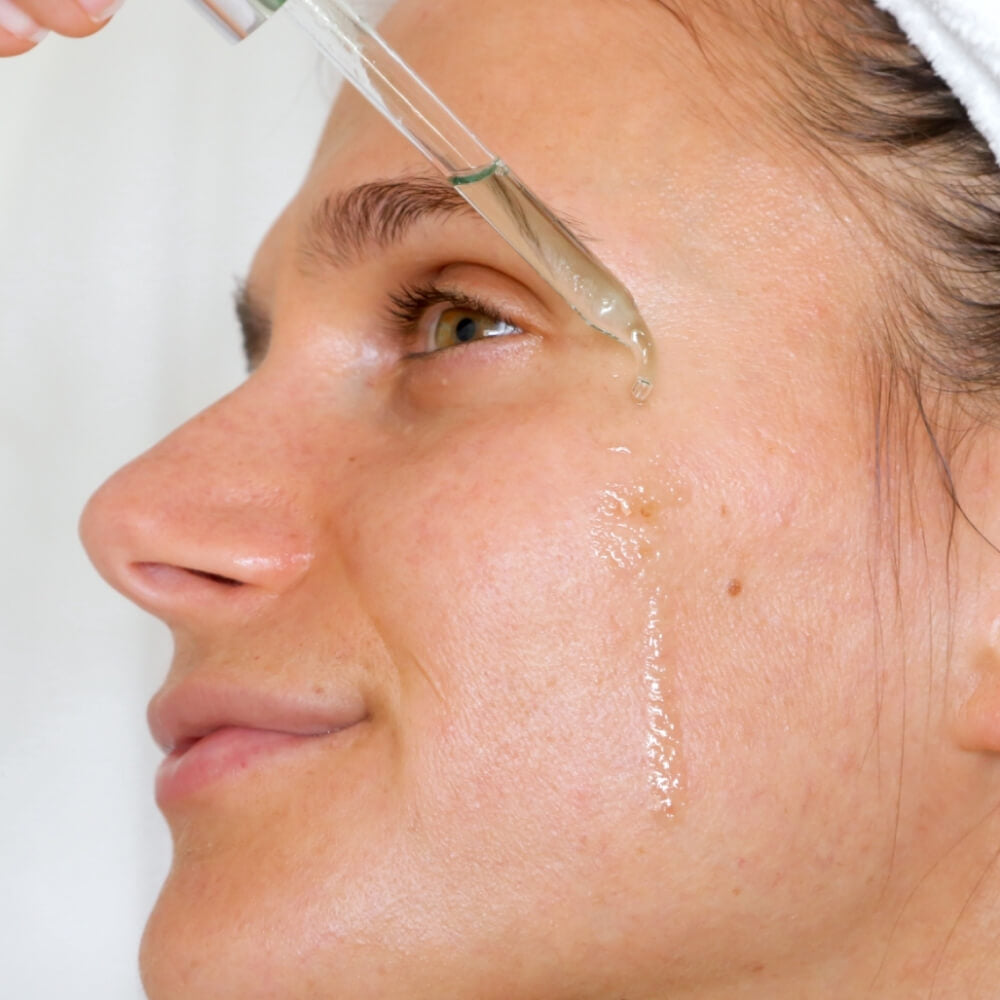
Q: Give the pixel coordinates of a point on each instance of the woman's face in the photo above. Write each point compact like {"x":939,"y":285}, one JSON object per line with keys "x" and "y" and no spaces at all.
{"x":604,"y":675}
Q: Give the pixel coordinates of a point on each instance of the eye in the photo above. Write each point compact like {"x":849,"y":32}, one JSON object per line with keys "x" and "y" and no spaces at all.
{"x":450,"y":326}
{"x":434,"y":319}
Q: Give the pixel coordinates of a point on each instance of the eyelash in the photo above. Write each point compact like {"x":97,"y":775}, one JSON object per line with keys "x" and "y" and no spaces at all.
{"x":411,"y":302}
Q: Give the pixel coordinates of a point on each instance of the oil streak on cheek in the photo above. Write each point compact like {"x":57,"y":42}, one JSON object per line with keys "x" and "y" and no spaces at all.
{"x":662,"y":739}
{"x":625,"y":540}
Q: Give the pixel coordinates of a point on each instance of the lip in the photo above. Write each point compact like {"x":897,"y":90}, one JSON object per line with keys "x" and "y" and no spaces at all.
{"x":223,"y":755}
{"x":214,"y":733}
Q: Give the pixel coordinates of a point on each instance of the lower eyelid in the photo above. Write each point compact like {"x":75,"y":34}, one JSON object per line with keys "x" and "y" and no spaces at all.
{"x":518,"y":341}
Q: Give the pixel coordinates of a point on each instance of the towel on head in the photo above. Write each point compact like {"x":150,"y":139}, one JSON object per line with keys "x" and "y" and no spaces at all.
{"x":961,"y":39}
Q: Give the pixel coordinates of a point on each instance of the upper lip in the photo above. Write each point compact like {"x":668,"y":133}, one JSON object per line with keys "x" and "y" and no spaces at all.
{"x":181,"y":715}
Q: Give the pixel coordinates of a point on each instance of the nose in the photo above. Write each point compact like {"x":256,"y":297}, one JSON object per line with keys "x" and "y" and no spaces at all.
{"x":209,"y":524}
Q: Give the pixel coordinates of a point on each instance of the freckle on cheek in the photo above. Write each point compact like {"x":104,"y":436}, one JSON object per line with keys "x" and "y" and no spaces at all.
{"x":626,"y":535}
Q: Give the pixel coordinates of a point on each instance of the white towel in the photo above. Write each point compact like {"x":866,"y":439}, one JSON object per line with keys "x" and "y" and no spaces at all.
{"x":961,"y":38}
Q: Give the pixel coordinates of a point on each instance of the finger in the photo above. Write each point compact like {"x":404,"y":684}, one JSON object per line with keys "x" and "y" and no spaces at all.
{"x":19,"y":32}
{"x":11,"y":45}
{"x":67,"y":17}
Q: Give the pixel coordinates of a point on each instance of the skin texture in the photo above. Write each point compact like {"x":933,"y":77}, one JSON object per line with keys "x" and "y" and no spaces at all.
{"x":515,"y":567}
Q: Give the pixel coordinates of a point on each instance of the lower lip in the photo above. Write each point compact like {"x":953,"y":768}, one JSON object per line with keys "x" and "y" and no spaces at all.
{"x":221,"y":755}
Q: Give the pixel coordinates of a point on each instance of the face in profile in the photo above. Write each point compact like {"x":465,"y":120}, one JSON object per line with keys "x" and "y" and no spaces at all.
{"x":488,"y":681}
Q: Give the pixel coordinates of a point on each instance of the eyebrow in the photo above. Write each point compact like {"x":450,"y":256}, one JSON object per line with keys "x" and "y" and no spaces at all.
{"x":351,"y":225}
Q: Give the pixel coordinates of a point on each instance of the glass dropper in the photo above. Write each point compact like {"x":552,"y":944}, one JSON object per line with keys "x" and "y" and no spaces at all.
{"x":482,"y":178}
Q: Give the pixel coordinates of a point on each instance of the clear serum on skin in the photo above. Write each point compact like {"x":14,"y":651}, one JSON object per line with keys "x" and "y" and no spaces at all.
{"x":623,"y":539}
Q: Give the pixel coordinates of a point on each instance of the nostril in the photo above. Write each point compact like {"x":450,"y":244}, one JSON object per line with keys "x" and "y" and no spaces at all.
{"x":167,"y":578}
{"x":177,"y":593}
{"x":226,"y":581}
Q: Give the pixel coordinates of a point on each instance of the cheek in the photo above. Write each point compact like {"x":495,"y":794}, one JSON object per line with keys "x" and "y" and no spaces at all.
{"x":591,"y":636}
{"x":770,"y":635}
{"x":521,"y":637}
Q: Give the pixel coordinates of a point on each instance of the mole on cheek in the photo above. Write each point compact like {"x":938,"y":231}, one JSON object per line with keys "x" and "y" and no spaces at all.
{"x":735,"y":588}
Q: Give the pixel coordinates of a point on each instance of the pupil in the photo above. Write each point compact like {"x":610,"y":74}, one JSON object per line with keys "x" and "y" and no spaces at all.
{"x":466,"y":330}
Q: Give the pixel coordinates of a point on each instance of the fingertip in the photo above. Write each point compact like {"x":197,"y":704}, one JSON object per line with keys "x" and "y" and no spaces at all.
{"x":71,"y":20}
{"x":20,"y":31}
{"x":14,"y":45}
{"x":100,"y":11}
{"x":68,"y":18}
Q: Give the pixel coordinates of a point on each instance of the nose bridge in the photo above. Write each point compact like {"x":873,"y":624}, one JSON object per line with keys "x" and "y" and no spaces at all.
{"x":215,"y":514}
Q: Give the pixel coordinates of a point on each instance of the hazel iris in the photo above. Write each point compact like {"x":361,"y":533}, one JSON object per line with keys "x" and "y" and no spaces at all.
{"x":462,"y":326}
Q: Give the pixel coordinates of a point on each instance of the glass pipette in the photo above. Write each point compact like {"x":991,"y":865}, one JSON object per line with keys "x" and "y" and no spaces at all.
{"x":482,"y":178}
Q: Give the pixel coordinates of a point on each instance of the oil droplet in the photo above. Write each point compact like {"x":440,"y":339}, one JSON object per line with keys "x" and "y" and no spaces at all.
{"x":619,"y":533}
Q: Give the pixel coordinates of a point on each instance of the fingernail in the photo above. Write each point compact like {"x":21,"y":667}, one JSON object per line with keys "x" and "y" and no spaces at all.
{"x":100,"y":11}
{"x":14,"y":20}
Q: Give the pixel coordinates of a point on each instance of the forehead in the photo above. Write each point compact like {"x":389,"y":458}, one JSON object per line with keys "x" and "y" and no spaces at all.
{"x":578,"y":96}
{"x":579,"y":83}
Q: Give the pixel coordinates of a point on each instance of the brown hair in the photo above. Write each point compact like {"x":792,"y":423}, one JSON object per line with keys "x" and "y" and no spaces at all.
{"x":847,"y":81}
{"x":848,"y":86}
{"x":874,"y":101}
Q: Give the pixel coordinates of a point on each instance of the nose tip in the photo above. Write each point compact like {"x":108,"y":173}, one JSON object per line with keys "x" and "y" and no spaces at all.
{"x":180,"y":539}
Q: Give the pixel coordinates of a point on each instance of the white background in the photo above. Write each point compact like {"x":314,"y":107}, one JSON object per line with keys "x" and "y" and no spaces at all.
{"x":138,"y":170}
